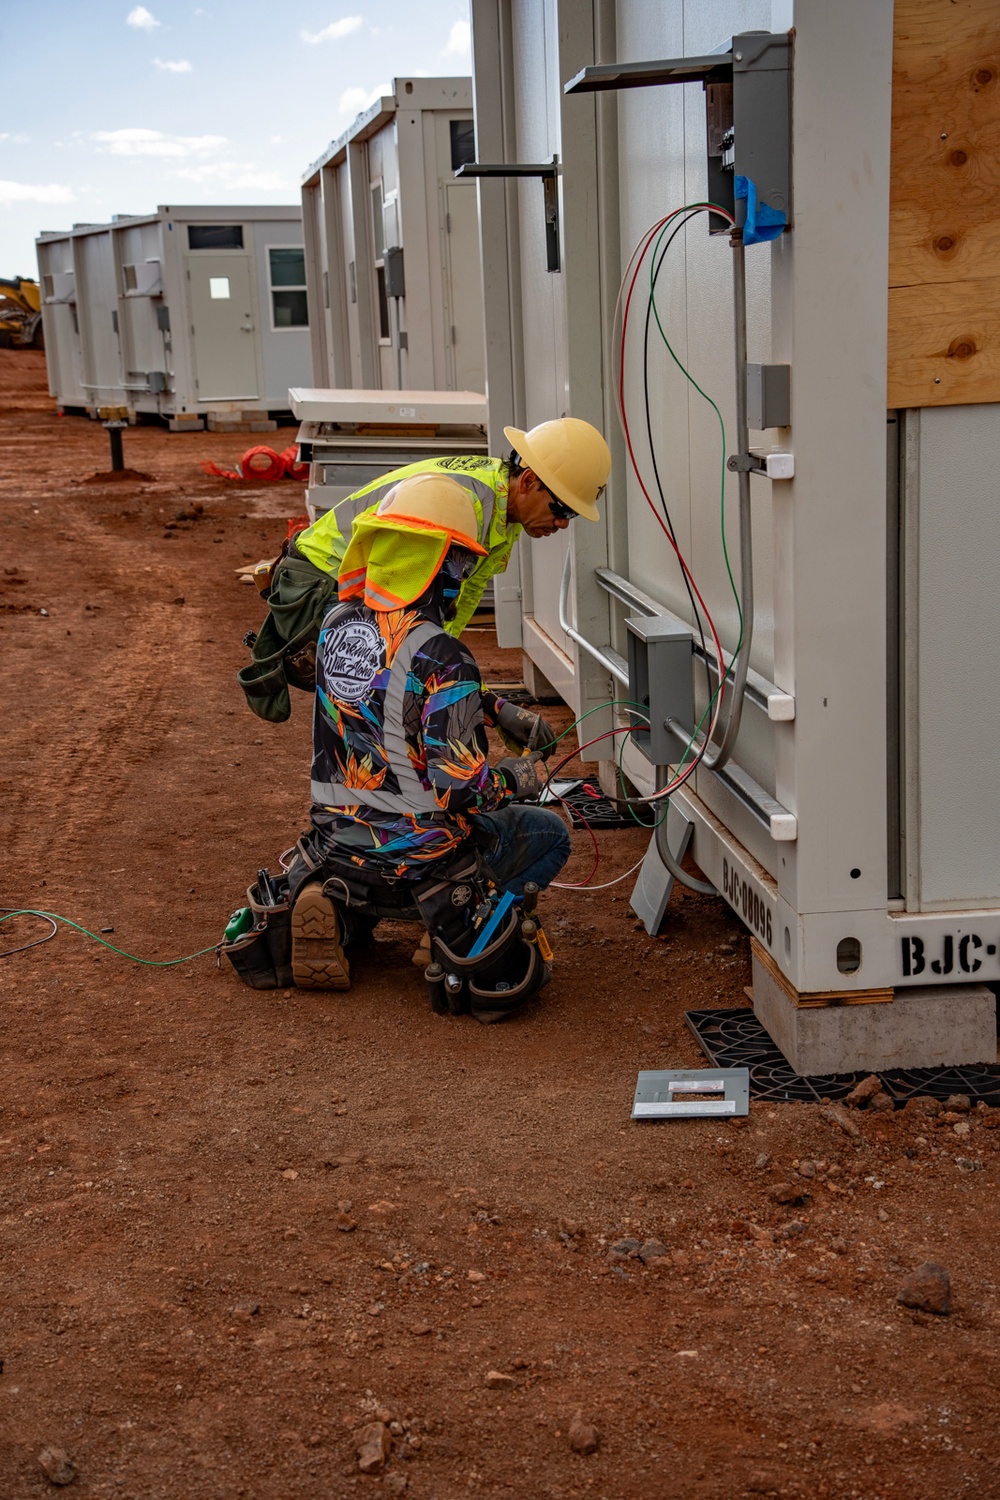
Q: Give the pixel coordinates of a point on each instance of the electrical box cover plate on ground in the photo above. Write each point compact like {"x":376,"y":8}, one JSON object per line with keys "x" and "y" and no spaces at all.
{"x":677,"y":1093}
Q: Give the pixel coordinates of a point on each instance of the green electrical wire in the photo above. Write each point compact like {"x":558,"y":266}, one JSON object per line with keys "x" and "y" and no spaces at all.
{"x":52,"y":916}
{"x":724,"y":671}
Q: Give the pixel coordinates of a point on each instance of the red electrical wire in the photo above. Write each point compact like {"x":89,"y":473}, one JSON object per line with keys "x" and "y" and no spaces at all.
{"x":644,"y":246}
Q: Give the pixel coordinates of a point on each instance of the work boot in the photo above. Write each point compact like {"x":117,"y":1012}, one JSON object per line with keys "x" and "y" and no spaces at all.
{"x":421,"y":958}
{"x":318,"y":958}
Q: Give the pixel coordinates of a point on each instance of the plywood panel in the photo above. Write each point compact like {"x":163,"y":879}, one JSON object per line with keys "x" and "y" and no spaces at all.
{"x":944,"y":246}
{"x":944,"y":344}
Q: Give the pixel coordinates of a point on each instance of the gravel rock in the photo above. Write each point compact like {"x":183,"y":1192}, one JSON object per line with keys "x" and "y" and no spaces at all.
{"x":865,"y":1090}
{"x":652,"y":1251}
{"x":791,"y":1230}
{"x":960,"y":1103}
{"x":961,"y":1127}
{"x":928,"y":1289}
{"x":57,"y":1466}
{"x":395,"y":1483}
{"x":807,"y":1169}
{"x":788,"y":1192}
{"x":345,"y":1223}
{"x":967,"y":1164}
{"x":624,"y":1249}
{"x":496,"y":1380}
{"x":923,"y":1104}
{"x":374,"y":1444}
{"x":762,"y":1161}
{"x":881,"y":1103}
{"x":583,"y":1436}
{"x":841,"y":1119}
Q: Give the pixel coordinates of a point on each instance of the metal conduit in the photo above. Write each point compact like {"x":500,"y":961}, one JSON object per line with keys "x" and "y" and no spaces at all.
{"x":742,"y":466}
{"x":663,"y":846}
{"x":612,"y":662}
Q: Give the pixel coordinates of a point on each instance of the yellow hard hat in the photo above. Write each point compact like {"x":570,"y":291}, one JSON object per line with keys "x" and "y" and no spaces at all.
{"x":571,"y":459}
{"x":436,"y":503}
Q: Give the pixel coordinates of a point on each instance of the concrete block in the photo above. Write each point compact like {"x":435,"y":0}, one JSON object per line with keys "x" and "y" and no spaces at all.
{"x":924,"y":1027}
{"x":186,"y":424}
{"x":229,"y":423}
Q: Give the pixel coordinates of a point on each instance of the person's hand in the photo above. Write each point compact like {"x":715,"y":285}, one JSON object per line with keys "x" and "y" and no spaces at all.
{"x":522,"y":775}
{"x":520,"y":729}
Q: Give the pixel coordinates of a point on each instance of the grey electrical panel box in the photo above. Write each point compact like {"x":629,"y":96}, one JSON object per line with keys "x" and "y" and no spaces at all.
{"x":768,"y":396}
{"x":661,"y":681}
{"x":747,"y":85}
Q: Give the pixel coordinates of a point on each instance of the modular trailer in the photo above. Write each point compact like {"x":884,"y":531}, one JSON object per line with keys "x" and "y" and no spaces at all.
{"x":855,"y":827}
{"x":193,"y":314}
{"x":392,"y":246}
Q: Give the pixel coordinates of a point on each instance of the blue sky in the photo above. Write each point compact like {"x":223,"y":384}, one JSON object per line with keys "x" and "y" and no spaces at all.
{"x":112,"y":108}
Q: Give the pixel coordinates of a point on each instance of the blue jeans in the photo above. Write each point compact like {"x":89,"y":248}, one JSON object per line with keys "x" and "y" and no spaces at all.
{"x":521,"y":843}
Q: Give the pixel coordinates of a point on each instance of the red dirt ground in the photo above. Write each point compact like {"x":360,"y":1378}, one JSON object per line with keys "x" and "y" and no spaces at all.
{"x":188,"y":1312}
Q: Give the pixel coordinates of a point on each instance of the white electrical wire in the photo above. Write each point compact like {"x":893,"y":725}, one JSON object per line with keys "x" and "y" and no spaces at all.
{"x":558,"y":885}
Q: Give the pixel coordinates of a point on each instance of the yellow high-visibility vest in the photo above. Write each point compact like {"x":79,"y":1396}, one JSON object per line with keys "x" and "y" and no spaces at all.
{"x":485,"y":479}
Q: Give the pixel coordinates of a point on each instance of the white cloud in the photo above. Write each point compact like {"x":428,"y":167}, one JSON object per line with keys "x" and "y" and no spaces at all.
{"x":141,"y":19}
{"x":353,"y":101}
{"x":232,"y":174}
{"x":333,"y":32}
{"x":165,"y":66}
{"x":17,"y":140}
{"x":459,"y":44}
{"x":140,"y":142}
{"x":26,"y":192}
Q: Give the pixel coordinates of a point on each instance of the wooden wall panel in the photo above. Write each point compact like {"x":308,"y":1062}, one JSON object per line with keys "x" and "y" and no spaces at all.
{"x":944,"y":215}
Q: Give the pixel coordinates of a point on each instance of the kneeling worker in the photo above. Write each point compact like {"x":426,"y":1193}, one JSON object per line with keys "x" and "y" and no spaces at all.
{"x":401,"y":784}
{"x":555,"y":473}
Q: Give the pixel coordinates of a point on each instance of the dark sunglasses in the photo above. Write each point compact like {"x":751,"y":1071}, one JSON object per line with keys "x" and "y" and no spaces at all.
{"x":559,"y":510}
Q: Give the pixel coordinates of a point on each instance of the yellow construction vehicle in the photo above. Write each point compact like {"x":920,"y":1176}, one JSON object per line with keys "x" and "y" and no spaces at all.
{"x":20,"y":313}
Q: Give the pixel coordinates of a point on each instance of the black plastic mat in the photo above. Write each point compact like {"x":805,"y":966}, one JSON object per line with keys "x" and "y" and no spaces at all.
{"x":584,"y":800}
{"x":736,"y":1039}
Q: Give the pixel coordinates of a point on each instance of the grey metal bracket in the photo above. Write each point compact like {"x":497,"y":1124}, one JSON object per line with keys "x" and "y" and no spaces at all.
{"x":652,"y":889}
{"x":549,"y":173}
{"x":672,"y":1093}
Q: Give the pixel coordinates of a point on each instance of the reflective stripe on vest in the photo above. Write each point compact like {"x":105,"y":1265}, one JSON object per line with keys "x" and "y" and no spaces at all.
{"x":413,"y":796}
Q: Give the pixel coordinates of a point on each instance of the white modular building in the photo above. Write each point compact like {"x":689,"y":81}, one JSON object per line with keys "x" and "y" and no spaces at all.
{"x":392,"y":246}
{"x":816,"y":411}
{"x":195,"y":314}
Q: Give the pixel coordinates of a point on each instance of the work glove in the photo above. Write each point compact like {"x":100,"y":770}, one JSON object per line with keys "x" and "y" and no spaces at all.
{"x":522,"y":775}
{"x":521,"y":730}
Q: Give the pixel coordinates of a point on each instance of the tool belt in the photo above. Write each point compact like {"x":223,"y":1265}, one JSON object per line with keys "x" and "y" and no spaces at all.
{"x":284,"y":651}
{"x":262,"y":954}
{"x":457,"y":903}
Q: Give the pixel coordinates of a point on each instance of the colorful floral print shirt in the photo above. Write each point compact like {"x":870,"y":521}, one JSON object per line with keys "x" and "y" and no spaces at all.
{"x":443,"y":726}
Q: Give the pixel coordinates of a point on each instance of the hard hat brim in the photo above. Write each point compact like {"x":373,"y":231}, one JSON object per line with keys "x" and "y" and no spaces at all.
{"x":521,"y":443}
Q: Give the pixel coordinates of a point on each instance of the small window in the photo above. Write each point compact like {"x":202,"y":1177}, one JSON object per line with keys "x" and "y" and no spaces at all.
{"x":463,"y":142}
{"x":131,"y":280}
{"x":218,"y":288}
{"x":287,"y":267}
{"x":215,"y":236}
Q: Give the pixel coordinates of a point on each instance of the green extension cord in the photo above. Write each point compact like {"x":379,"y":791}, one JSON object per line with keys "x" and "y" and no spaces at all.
{"x":52,"y":916}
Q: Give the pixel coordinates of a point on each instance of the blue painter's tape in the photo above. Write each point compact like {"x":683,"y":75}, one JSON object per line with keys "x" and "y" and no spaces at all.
{"x":762,"y":223}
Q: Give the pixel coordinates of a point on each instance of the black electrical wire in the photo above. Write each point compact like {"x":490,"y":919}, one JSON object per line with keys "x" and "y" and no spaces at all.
{"x":17,"y":911}
{"x":652,"y":445}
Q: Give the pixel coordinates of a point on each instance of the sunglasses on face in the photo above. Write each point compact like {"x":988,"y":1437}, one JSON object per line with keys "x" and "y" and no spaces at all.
{"x":559,"y":510}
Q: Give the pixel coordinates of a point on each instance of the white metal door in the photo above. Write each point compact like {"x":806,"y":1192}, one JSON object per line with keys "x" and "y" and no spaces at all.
{"x":464,"y":337}
{"x":222,"y":327}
